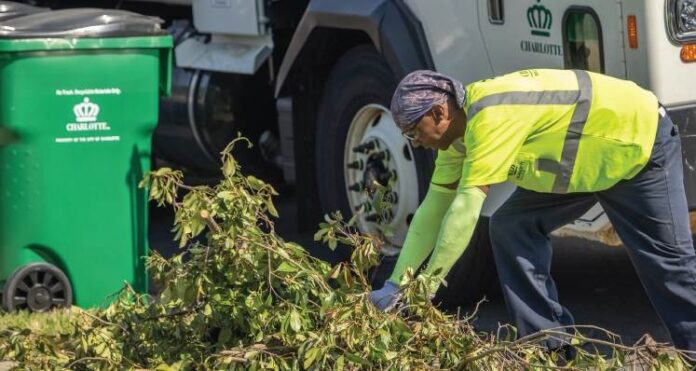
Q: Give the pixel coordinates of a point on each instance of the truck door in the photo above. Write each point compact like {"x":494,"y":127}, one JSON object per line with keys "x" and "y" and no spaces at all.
{"x":553,"y":34}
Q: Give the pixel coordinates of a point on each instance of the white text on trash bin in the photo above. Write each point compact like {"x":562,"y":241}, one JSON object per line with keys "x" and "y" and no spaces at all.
{"x":86,"y":115}
{"x":113,"y":138}
{"x":86,"y":111}
{"x":96,"y":91}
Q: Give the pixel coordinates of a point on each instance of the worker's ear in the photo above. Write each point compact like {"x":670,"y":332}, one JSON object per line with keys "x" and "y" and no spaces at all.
{"x":438,"y":111}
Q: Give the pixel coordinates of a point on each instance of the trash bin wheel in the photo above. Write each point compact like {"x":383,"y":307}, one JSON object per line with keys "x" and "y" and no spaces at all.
{"x":37,"y":287}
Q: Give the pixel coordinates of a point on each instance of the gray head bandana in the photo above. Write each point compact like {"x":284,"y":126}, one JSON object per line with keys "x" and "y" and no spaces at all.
{"x":419,"y":91}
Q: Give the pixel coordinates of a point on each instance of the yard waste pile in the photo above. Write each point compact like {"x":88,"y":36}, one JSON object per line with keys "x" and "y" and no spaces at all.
{"x":244,"y":298}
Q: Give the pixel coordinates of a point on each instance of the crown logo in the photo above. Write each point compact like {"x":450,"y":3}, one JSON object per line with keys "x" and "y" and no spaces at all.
{"x":86,"y":111}
{"x":539,"y":19}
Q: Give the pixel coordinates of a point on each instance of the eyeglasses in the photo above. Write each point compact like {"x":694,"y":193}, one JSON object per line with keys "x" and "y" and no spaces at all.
{"x":411,"y":133}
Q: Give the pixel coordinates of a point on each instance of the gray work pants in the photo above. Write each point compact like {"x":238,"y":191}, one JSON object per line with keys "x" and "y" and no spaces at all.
{"x":650,"y":214}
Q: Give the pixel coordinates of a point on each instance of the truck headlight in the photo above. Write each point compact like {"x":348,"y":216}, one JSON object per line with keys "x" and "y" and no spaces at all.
{"x":681,"y":20}
{"x":687,"y":15}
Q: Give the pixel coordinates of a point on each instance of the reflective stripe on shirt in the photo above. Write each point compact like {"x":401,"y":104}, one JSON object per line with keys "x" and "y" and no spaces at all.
{"x":581,"y":98}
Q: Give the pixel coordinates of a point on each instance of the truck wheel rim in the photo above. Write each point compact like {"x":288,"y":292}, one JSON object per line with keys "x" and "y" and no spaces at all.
{"x":376,"y":151}
{"x":39,"y":291}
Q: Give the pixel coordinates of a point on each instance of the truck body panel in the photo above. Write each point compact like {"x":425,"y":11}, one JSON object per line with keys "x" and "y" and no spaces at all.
{"x":453,"y":34}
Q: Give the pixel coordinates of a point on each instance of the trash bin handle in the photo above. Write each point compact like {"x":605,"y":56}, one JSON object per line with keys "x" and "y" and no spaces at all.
{"x":7,"y":136}
{"x":166,"y":61}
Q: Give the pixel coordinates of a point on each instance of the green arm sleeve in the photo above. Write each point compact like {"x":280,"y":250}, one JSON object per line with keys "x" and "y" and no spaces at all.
{"x":422,"y":233}
{"x":455,"y":232}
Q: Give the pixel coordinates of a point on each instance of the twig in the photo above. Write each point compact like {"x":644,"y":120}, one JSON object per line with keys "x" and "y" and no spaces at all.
{"x":471,"y":316}
{"x":270,"y":285}
{"x":212,"y":224}
{"x":300,"y":266}
{"x":82,"y":311}
{"x":177,"y":313}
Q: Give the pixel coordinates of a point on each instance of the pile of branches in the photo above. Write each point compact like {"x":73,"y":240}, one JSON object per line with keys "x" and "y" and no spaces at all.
{"x":247,"y":299}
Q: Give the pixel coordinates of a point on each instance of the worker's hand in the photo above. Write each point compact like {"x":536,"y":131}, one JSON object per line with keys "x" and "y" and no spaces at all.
{"x":386,"y":297}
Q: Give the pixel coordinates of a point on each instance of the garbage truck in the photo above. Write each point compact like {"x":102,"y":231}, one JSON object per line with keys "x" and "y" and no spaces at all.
{"x":311,"y":82}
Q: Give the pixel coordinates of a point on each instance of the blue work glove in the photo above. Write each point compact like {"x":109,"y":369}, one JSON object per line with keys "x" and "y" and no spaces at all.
{"x":387,"y":297}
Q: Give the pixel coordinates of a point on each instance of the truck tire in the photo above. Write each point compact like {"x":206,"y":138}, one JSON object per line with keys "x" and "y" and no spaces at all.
{"x":354,"y":112}
{"x":358,"y":143}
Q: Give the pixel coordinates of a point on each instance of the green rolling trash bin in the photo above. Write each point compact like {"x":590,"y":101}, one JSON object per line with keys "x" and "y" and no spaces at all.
{"x":79,"y":92}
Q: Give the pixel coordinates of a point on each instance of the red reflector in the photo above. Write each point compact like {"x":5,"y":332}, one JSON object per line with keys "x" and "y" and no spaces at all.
{"x":632,"y":32}
{"x":688,"y":53}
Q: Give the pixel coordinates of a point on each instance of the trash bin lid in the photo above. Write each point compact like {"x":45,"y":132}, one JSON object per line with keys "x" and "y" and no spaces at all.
{"x":10,"y":9}
{"x":81,"y":23}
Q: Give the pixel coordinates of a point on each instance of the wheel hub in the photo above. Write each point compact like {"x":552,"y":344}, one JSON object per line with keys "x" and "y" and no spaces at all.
{"x":380,"y":175}
{"x":376,"y":174}
{"x":39,"y":298}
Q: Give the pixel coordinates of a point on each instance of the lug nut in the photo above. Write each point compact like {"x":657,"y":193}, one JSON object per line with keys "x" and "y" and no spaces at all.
{"x":392,"y":197}
{"x":356,"y":187}
{"x":366,"y":147}
{"x":383,"y":155}
{"x":385,"y":178}
{"x":357,"y":165}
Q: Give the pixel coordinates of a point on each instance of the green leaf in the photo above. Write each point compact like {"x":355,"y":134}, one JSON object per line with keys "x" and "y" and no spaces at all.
{"x":225,"y":335}
{"x":281,"y":251}
{"x":295,"y":322}
{"x":335,"y":271}
{"x":320,"y":233}
{"x":271,"y":208}
{"x":229,"y":167}
{"x":225,"y":195}
{"x":340,"y":361}
{"x":309,"y":357}
{"x":286,"y":267}
{"x":356,"y":359}
{"x":255,"y":183}
{"x":354,"y":219}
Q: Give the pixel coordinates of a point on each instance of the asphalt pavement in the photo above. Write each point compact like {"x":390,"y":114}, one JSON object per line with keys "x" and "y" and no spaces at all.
{"x":599,"y":286}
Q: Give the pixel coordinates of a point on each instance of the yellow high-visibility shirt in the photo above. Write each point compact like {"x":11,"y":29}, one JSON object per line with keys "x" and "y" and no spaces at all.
{"x":557,"y":131}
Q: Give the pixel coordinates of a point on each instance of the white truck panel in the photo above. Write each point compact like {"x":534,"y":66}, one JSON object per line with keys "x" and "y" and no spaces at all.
{"x":613,"y":29}
{"x":672,"y":80}
{"x":454,"y":37}
{"x":510,"y":44}
{"x":229,"y":17}
{"x":636,"y":59}
{"x":458,"y":50}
